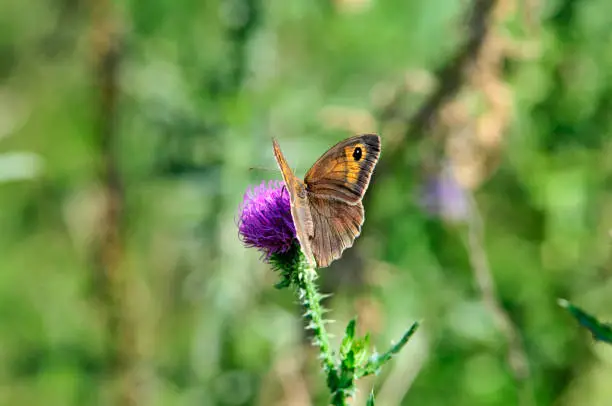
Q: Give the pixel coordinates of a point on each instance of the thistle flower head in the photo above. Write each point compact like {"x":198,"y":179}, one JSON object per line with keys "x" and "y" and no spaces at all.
{"x":443,"y":196}
{"x":265,"y":219}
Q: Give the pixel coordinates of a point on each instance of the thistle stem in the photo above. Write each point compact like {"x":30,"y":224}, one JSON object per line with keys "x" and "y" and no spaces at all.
{"x":353,"y":361}
{"x":310,"y":298}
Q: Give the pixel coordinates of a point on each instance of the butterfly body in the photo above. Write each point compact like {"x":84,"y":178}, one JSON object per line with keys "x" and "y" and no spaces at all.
{"x":326,"y":207}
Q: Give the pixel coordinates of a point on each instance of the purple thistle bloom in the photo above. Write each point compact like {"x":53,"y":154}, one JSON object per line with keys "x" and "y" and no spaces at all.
{"x":265,"y":219}
{"x":443,"y":196}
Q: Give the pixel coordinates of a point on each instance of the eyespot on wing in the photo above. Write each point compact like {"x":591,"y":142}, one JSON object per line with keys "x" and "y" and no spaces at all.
{"x":345,"y":170}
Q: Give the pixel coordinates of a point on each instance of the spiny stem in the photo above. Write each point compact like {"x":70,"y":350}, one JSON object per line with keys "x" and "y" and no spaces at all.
{"x":310,"y":298}
{"x":304,"y":283}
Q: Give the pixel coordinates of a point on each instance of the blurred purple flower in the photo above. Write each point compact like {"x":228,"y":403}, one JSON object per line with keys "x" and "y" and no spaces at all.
{"x":265,"y":219}
{"x":443,"y":196}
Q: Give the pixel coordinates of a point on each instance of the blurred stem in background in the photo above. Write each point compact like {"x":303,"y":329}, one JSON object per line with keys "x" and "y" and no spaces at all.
{"x":467,"y":144}
{"x":472,"y":144}
{"x":516,"y":356}
{"x":240,"y":22}
{"x":112,"y":277}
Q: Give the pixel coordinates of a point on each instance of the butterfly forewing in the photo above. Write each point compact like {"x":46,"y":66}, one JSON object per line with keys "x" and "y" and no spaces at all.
{"x":344,"y":171}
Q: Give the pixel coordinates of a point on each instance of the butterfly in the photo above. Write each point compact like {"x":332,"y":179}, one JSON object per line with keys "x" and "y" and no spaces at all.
{"x":326,"y":207}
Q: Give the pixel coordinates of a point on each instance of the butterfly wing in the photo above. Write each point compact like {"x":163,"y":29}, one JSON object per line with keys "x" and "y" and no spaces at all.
{"x":336,"y":225}
{"x":344,"y":172}
{"x":326,"y":208}
{"x":300,"y":211}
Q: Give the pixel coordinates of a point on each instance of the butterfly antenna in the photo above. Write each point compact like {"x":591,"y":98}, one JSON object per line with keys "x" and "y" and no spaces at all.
{"x":260,"y":168}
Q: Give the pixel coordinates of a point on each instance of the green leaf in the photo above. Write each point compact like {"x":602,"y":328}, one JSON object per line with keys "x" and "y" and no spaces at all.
{"x":350,"y":329}
{"x":371,"y":399}
{"x":600,"y":331}
{"x":283,"y":283}
{"x":376,"y":361}
{"x":361,"y":352}
{"x":287,"y":266}
{"x":348,"y":362}
{"x":349,"y":338}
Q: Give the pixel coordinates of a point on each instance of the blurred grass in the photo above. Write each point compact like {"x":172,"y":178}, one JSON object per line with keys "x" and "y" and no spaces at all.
{"x":203,"y":87}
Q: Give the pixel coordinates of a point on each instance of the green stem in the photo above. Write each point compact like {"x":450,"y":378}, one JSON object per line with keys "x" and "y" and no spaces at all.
{"x":311,"y":300}
{"x":309,"y":296}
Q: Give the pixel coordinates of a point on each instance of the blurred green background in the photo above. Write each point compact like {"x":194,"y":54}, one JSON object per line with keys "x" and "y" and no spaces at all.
{"x":127,"y":130}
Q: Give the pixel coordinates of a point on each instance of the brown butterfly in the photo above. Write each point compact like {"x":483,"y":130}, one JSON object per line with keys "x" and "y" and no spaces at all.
{"x":326,"y":207}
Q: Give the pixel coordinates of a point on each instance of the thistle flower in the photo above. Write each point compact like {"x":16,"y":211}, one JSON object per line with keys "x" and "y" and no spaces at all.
{"x":443,"y":196}
{"x":265,"y":219}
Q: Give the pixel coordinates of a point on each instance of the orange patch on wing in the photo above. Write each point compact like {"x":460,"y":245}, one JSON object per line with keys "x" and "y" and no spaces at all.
{"x":352,"y":167}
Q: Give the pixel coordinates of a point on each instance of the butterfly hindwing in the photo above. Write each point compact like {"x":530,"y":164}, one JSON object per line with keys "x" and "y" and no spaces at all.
{"x":336,"y":225}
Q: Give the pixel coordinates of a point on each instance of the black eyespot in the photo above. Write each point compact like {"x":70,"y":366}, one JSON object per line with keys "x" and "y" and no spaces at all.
{"x":357,"y":154}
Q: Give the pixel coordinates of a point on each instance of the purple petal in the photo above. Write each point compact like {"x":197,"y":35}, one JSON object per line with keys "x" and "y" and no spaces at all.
{"x":443,"y":196}
{"x":265,"y":219}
